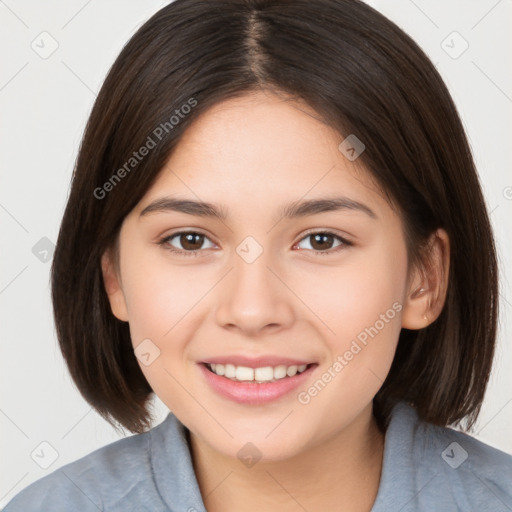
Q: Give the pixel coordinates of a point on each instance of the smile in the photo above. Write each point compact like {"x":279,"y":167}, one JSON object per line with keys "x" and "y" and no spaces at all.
{"x":255,"y":386}
{"x":259,"y":375}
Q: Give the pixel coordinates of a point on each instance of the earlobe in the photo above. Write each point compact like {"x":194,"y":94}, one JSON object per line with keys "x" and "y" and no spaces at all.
{"x":427,"y":292}
{"x":113,"y":287}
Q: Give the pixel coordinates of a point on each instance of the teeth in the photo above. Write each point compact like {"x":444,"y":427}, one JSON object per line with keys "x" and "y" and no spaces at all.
{"x":280,"y":372}
{"x":291,"y":370}
{"x":244,"y":373}
{"x":229,"y":371}
{"x":263,"y":374}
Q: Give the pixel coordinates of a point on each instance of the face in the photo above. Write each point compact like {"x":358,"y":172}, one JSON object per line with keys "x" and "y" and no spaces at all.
{"x":256,"y":288}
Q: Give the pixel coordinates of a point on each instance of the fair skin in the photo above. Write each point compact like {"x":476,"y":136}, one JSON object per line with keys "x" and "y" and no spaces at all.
{"x":253,"y":155}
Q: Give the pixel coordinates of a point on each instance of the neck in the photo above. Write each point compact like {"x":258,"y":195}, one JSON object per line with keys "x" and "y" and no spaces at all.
{"x":341,"y":473}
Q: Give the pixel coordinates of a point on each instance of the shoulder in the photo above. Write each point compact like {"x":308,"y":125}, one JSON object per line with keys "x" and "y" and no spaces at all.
{"x":478,"y":474}
{"x":448,"y":469}
{"x":113,"y":477}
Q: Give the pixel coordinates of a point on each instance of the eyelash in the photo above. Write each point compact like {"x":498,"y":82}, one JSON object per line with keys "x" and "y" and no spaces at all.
{"x":164,"y":242}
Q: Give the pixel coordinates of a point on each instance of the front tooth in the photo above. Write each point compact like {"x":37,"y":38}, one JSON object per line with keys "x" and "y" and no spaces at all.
{"x":280,"y":372}
{"x":230,"y":371}
{"x":291,"y":371}
{"x":265,"y":373}
{"x":244,"y":373}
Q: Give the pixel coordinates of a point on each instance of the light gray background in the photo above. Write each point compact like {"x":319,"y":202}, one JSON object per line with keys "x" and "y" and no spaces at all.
{"x":44,"y":106}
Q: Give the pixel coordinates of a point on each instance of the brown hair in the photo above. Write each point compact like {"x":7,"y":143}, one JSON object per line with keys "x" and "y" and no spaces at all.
{"x":363,"y":75}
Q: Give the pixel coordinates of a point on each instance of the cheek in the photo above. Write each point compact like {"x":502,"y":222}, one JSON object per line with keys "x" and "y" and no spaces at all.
{"x":361,"y":303}
{"x":160,"y":295}
{"x":352,"y":295}
{"x":163,"y":301}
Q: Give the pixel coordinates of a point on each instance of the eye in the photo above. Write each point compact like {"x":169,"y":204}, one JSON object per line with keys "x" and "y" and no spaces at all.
{"x":322,"y":242}
{"x":190,"y":241}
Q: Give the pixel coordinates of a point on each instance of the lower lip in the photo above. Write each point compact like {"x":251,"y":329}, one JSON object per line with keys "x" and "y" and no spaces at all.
{"x":244,"y":392}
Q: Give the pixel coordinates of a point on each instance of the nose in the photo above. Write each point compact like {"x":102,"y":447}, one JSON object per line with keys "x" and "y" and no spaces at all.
{"x":254,"y":299}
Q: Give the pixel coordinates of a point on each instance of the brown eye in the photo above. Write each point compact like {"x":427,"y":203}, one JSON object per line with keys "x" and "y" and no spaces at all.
{"x":186,"y":242}
{"x":191,"y":241}
{"x":324,"y":242}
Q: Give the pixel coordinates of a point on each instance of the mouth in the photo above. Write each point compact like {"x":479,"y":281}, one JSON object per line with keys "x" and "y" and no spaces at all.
{"x":255,"y":385}
{"x":258,"y":375}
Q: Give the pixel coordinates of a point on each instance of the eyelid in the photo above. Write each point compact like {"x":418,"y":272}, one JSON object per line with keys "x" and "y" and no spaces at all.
{"x":330,"y":231}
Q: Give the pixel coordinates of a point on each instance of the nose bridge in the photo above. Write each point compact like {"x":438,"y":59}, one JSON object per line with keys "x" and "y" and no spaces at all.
{"x":253,"y":297}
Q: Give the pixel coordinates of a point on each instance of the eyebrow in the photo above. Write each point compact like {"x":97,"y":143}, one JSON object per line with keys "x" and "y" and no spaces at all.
{"x":292,"y":210}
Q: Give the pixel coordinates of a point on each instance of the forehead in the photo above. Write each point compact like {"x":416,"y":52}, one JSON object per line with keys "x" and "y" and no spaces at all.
{"x":260,"y":150}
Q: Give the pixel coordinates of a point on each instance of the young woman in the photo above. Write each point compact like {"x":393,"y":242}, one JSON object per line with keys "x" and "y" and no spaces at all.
{"x":275,"y":225}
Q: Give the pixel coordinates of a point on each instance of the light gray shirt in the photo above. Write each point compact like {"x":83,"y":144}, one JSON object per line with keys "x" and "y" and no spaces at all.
{"x":425,"y":468}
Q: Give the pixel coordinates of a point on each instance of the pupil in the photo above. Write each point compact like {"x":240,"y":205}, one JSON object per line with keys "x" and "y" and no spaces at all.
{"x":321,"y":239}
{"x":187,"y":241}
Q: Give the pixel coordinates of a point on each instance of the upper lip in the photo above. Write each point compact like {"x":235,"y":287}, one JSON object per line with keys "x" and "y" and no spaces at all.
{"x":255,"y":362}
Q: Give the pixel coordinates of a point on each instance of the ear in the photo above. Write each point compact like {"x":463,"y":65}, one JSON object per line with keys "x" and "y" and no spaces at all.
{"x":428,"y":284}
{"x":113,"y":286}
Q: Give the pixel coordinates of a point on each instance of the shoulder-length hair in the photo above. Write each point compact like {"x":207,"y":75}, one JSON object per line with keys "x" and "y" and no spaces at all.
{"x":362,"y":75}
